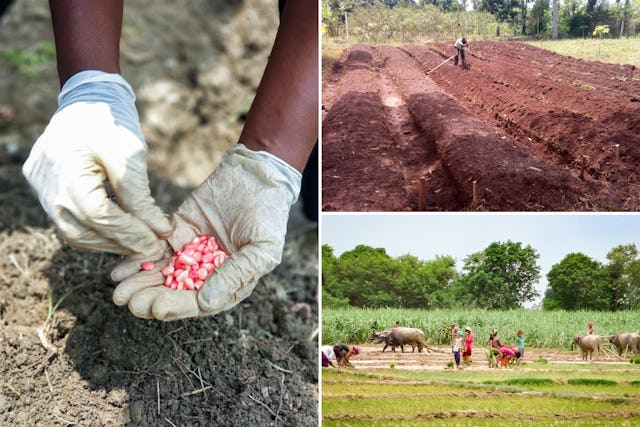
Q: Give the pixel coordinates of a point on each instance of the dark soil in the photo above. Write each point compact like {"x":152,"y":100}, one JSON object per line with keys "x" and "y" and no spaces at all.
{"x":534,"y":130}
{"x":195,"y":67}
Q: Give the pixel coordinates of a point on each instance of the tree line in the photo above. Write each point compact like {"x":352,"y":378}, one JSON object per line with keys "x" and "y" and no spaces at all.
{"x":501,"y":277}
{"x":572,"y":18}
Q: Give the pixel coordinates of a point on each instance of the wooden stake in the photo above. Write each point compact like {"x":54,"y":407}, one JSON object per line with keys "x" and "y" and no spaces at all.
{"x":475,"y":192}
{"x":421,"y":194}
{"x":617,"y":151}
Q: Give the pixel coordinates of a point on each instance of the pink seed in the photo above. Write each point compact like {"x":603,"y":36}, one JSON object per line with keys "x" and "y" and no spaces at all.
{"x":188,"y":283}
{"x":190,"y":267}
{"x":219,"y":258}
{"x":168,"y":280}
{"x":148,"y":266}
{"x":186,"y":259}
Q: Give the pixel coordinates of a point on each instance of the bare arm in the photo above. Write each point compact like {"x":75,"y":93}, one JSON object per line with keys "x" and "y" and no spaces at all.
{"x":283,"y":118}
{"x":87,"y":35}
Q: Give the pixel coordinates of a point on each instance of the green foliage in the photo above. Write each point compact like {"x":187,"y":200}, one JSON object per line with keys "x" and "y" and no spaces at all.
{"x":624,"y":276}
{"x":590,"y":381}
{"x":368,"y":277}
{"x":30,"y":62}
{"x":542,"y":329}
{"x":523,"y":381}
{"x":581,"y":283}
{"x":600,"y":30}
{"x":504,"y":10}
{"x":502,"y":276}
{"x":541,"y":361}
{"x":375,"y":22}
{"x":539,"y":18}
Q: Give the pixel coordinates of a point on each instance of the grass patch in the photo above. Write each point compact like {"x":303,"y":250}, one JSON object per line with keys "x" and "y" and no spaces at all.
{"x":330,"y":56}
{"x":591,"y":381}
{"x":523,"y":381}
{"x":615,"y":51}
{"x":30,"y":62}
{"x":575,"y":397}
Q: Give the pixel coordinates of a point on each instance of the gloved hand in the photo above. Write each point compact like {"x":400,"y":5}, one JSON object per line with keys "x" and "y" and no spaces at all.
{"x":95,"y":134}
{"x":244,"y":204}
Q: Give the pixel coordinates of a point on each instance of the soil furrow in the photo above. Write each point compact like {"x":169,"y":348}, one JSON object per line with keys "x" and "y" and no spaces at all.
{"x":475,"y":151}
{"x":358,"y":150}
{"x":417,"y":153}
{"x":568,"y":139}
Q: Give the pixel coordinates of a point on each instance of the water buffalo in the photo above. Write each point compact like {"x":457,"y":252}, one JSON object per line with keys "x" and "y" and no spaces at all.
{"x":626,"y":341}
{"x":588,"y":344}
{"x":401,"y":336}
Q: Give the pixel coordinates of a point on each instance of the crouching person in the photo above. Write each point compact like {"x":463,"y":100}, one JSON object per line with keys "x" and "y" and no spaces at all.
{"x":343,"y":353}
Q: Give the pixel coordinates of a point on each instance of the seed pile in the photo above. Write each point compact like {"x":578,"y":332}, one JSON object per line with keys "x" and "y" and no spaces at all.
{"x":192,"y":265}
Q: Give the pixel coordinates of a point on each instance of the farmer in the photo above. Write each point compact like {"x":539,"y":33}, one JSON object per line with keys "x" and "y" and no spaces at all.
{"x":494,"y":343}
{"x":520,"y":343}
{"x":459,"y":47}
{"x":590,"y":329}
{"x":327,"y":354}
{"x":468,"y":346}
{"x":343,"y":353}
{"x":454,"y":332}
{"x":95,"y":135}
{"x":457,"y":348}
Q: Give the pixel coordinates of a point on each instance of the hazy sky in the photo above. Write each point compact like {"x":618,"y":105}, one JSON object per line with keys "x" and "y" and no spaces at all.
{"x":460,"y":234}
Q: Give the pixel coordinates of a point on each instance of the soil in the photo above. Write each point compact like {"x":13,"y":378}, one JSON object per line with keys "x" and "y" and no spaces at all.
{"x":519,"y":129}
{"x":195,"y":66}
{"x":372,"y":357}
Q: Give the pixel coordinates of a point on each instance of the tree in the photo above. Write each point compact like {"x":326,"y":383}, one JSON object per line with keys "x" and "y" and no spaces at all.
{"x":503,"y":10}
{"x":365,"y":276}
{"x":624,"y":276}
{"x":425,"y":284}
{"x":500,"y":277}
{"x":554,"y":12}
{"x":538,"y":19}
{"x":576,"y":283}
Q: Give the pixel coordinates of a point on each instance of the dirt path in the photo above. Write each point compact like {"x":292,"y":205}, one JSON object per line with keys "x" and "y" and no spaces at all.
{"x":535,"y":130}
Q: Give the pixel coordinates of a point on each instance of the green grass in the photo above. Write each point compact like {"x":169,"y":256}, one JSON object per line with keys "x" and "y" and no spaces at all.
{"x":616,"y":51}
{"x":30,"y":62}
{"x":542,"y":329}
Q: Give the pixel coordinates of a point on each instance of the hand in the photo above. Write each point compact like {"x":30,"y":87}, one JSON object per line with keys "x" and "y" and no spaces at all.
{"x":244,"y":204}
{"x":95,"y":134}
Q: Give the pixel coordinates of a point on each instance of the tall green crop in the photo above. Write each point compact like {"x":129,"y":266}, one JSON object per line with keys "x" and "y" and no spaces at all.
{"x":542,"y":329}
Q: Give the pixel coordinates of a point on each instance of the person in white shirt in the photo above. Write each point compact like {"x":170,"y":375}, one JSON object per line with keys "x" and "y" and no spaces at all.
{"x":459,"y":47}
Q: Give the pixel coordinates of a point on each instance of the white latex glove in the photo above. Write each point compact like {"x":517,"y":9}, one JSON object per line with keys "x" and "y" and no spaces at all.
{"x":95,"y":134}
{"x":244,"y":204}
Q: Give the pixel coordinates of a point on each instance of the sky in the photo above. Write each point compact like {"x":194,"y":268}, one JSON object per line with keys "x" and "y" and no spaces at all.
{"x":426,"y":235}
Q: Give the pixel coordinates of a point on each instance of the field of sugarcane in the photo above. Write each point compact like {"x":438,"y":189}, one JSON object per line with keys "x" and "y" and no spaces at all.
{"x":542,"y":329}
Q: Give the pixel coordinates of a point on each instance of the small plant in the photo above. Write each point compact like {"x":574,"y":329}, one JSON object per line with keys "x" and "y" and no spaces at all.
{"x":450,"y":365}
{"x":599,"y":31}
{"x":392,"y":366}
{"x":635,"y":361}
{"x":46,"y":325}
{"x":541,"y":361}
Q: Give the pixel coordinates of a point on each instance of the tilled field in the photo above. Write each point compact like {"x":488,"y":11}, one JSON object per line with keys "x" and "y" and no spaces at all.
{"x":532,"y":129}
{"x":372,"y":357}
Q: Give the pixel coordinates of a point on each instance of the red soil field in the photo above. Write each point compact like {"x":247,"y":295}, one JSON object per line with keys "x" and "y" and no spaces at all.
{"x":528,"y":129}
